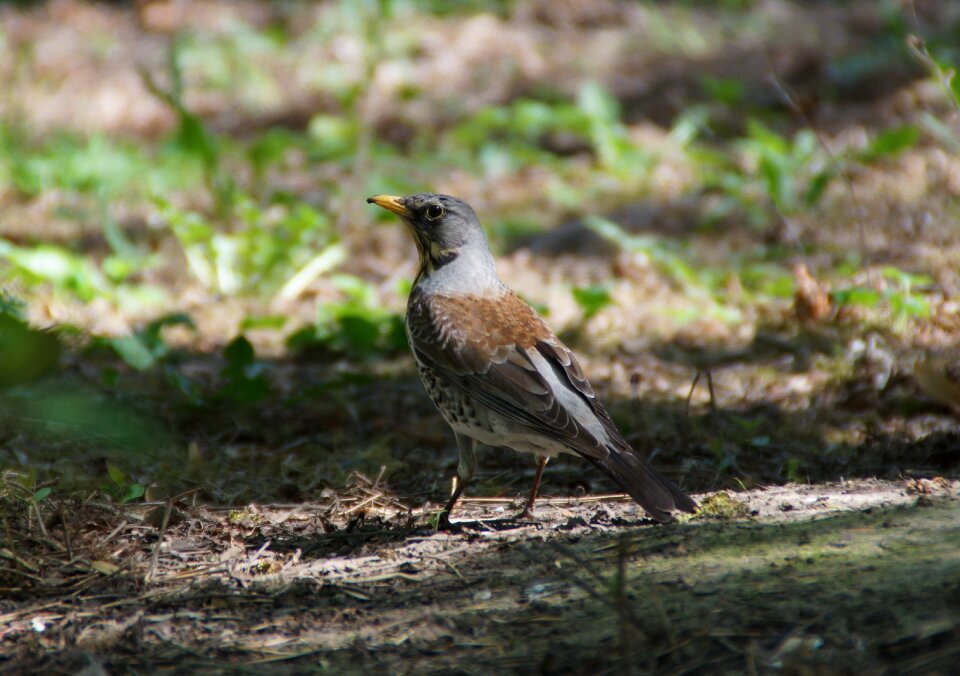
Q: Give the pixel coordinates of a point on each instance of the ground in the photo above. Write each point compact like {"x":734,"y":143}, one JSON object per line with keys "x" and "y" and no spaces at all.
{"x":839,"y":577}
{"x":216,"y":455}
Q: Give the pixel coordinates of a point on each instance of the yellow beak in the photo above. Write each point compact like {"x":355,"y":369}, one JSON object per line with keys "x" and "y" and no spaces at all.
{"x":391,"y":203}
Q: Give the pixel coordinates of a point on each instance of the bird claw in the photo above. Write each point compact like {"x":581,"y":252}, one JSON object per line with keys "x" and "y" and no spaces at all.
{"x":445,"y":525}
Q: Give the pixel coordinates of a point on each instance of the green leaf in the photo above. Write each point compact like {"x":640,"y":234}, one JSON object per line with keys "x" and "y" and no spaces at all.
{"x":244,"y":378}
{"x":687,"y":127}
{"x":779,"y":286}
{"x":857,"y":296}
{"x":817,"y":187}
{"x":728,"y":91}
{"x":396,"y":334}
{"x":25,"y":353}
{"x":778,"y":183}
{"x":60,"y":410}
{"x":183,"y":385}
{"x":891,"y":142}
{"x":133,"y":492}
{"x":239,"y":353}
{"x":272,"y":322}
{"x":194,"y":139}
{"x":905,"y":279}
{"x":597,"y":103}
{"x":132,"y":350}
{"x":794,"y":470}
{"x":248,"y":389}
{"x":332,"y":136}
{"x":361,"y":334}
{"x":152,"y":335}
{"x":592,"y":299}
{"x":654,"y":247}
{"x":941,"y":131}
{"x":804,"y":146}
{"x":953,"y":83}
{"x":765,"y":139}
{"x":116,"y":474}
{"x":270,"y":148}
{"x":41,"y":494}
{"x":909,"y":305}
{"x":57,"y":265}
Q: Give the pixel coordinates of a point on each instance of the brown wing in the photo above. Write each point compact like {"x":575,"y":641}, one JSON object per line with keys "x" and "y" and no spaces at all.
{"x":487,"y":348}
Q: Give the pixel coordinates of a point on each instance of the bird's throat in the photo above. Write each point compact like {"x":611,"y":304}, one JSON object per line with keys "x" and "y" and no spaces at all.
{"x":433,"y":258}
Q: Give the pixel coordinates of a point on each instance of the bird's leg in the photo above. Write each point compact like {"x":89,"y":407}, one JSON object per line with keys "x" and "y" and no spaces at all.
{"x":527,"y":512}
{"x":466,"y":468}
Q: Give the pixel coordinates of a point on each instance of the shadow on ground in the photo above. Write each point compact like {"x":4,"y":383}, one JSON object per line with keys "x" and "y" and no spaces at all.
{"x":801,"y":590}
{"x":318,"y":421}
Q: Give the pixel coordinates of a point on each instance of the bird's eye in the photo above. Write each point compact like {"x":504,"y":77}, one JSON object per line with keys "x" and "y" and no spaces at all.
{"x":434,"y":211}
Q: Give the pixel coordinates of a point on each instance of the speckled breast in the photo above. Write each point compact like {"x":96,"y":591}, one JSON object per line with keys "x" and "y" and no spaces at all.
{"x":457,"y":408}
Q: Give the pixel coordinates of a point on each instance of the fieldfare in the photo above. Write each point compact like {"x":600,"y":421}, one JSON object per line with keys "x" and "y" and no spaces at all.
{"x":497,"y":374}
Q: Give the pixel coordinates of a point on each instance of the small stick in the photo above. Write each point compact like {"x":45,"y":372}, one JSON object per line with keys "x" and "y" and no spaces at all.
{"x":693,"y":386}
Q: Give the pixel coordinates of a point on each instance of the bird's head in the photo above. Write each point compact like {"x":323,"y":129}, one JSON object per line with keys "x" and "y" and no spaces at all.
{"x":443,"y":227}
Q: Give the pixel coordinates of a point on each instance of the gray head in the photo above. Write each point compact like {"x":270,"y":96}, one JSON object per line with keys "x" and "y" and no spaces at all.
{"x":453,"y":247}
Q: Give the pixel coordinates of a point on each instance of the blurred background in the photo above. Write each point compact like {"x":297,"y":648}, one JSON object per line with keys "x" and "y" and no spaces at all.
{"x":761,"y":193}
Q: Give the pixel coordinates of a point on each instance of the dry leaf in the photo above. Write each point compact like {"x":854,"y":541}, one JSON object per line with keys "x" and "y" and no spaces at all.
{"x":811,"y":301}
{"x":104,"y":567}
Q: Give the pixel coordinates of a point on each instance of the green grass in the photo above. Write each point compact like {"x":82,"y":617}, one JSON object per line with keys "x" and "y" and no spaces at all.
{"x":261,"y":216}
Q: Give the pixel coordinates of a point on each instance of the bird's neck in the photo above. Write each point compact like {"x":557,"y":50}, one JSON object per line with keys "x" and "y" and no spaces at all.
{"x":468,"y":270}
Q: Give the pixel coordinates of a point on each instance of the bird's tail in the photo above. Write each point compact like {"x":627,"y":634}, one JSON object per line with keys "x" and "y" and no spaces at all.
{"x":654,"y":492}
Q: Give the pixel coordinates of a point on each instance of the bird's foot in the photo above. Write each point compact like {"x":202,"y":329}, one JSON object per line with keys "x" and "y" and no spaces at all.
{"x":526,"y":515}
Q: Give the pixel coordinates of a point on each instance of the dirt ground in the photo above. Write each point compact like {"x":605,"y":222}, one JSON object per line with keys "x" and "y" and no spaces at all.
{"x":851,"y":577}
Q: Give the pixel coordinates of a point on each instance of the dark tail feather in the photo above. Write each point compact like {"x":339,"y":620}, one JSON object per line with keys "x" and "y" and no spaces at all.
{"x":654,"y":492}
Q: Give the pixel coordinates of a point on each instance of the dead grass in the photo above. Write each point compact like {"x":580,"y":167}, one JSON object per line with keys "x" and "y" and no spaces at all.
{"x":357,"y":578}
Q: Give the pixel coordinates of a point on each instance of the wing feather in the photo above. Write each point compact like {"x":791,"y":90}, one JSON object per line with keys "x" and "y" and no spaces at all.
{"x":503,"y":376}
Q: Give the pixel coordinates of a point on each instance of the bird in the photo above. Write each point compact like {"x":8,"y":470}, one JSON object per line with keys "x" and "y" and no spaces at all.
{"x":495,"y":371}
